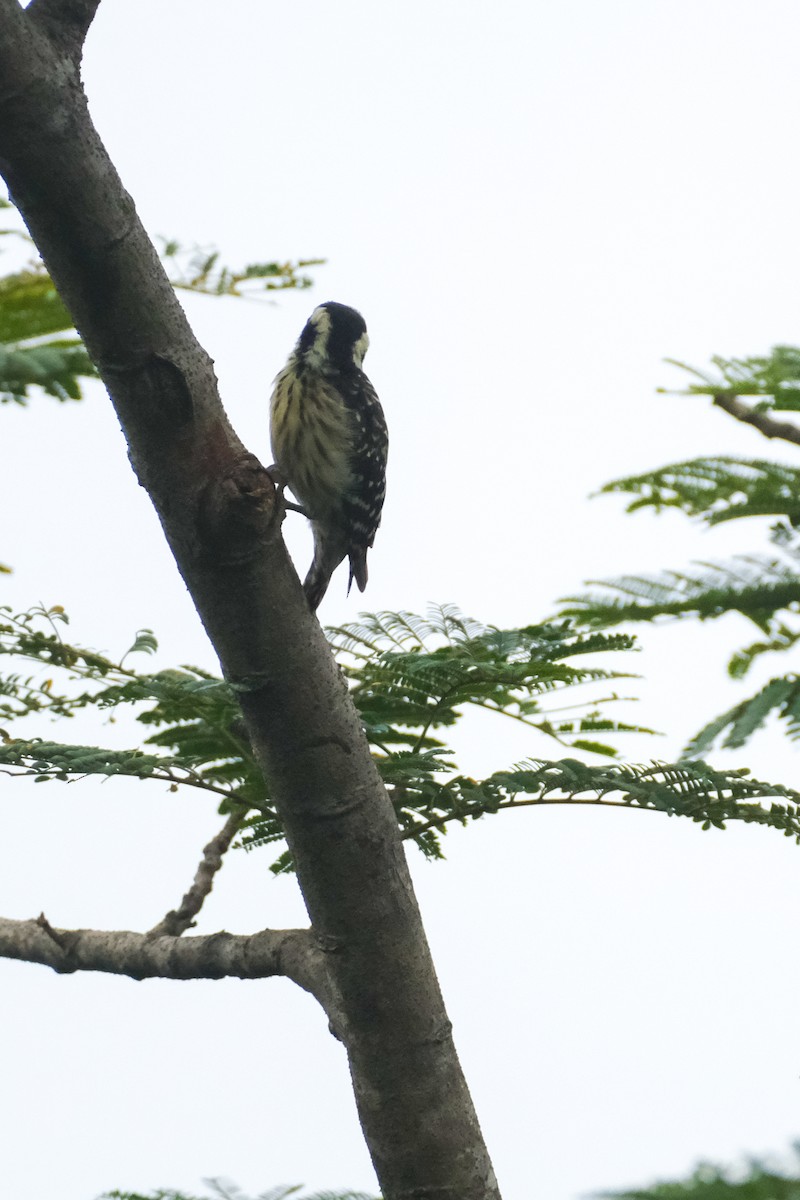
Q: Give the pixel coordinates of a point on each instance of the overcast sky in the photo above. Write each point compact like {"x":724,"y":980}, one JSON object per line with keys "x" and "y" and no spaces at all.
{"x":532,"y":204}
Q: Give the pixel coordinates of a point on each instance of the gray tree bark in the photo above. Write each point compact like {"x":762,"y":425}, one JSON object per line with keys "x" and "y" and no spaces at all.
{"x":221,"y":517}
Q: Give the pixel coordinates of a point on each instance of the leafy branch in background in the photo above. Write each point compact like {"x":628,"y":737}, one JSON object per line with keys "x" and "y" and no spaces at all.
{"x":30,"y":356}
{"x":198,"y":269}
{"x":758,"y":587}
{"x":773,"y":377}
{"x":38,"y":345}
{"x":716,"y":489}
{"x":412,"y":679}
{"x":228,"y":1191}
{"x":763,"y":588}
{"x":756,"y":1181}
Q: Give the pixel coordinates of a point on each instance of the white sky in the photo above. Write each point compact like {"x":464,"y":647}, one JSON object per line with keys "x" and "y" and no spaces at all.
{"x":532,"y":204}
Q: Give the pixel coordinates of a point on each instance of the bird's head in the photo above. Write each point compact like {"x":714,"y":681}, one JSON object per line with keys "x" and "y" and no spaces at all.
{"x":334,"y":338}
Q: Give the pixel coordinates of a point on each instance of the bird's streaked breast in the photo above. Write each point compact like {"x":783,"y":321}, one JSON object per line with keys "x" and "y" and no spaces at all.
{"x":311,"y":438}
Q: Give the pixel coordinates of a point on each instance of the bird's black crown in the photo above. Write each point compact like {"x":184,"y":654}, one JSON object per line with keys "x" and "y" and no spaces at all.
{"x":334,"y":330}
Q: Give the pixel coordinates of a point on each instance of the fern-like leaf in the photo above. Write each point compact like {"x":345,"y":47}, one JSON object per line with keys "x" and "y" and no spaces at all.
{"x":688,"y":789}
{"x":780,"y":697}
{"x":774,"y":377}
{"x":411,"y":678}
{"x":753,"y":585}
{"x":55,"y":366}
{"x":34,"y":353}
{"x":223,"y":1190}
{"x":782,"y":639}
{"x":752,"y":1181}
{"x":30,"y":307}
{"x":199,"y":269}
{"x":716,"y":489}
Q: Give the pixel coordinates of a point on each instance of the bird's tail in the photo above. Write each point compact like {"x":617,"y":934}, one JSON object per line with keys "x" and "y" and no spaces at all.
{"x":328,"y":553}
{"x":358,"y":569}
{"x":327,"y":556}
{"x":315,"y":584}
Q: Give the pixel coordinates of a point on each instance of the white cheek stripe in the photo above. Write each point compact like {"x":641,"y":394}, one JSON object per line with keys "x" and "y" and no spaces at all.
{"x":321,"y":319}
{"x":360,"y":348}
{"x":317,"y":354}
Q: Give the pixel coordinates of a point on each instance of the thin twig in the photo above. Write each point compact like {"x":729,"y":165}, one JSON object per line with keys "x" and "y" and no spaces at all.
{"x":765,"y":424}
{"x":179,"y":919}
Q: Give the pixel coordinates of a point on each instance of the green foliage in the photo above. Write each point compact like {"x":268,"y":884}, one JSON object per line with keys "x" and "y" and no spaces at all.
{"x":774,"y":377}
{"x":716,"y":489}
{"x":219,"y":1190}
{"x":30,"y":356}
{"x":779,"y":698}
{"x":56,"y":367}
{"x":411,"y":675}
{"x":412,"y":679}
{"x":765,"y":589}
{"x":782,"y":638}
{"x":758,"y":1181}
{"x":194,"y":714}
{"x":30,"y":306}
{"x":198,"y":269}
{"x":753,"y":585}
{"x":52,"y":760}
{"x":34,"y":351}
{"x":755,"y":1181}
{"x":687,"y":789}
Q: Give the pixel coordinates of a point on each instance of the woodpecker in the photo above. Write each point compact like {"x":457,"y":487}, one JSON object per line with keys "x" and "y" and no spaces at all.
{"x":330,"y":443}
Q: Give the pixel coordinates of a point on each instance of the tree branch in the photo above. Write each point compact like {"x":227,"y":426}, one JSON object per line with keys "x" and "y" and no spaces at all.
{"x":179,"y":919}
{"x":761,"y":421}
{"x":220,"y":515}
{"x":291,"y":953}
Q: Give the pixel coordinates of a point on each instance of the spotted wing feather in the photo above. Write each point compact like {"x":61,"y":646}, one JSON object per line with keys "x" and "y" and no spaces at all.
{"x":362,"y":503}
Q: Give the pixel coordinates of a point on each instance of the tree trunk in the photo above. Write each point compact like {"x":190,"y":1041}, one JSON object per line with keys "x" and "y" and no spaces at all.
{"x":221,"y":518}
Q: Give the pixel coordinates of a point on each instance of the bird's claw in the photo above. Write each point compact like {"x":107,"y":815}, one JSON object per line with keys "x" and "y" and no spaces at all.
{"x":281,"y":483}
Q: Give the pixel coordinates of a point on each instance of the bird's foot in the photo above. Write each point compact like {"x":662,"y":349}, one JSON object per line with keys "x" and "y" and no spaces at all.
{"x":281,"y":483}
